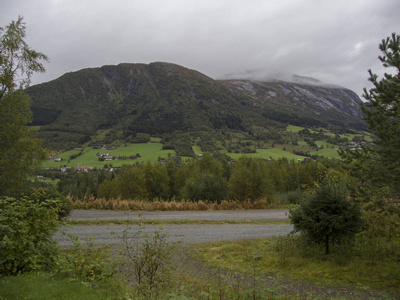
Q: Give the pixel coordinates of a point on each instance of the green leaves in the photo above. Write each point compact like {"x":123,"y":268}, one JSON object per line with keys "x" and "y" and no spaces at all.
{"x":17,"y":60}
{"x":26,"y":228}
{"x":19,"y":150}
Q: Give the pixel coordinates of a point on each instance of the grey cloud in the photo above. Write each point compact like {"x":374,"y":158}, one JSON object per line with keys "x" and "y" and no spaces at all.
{"x":334,"y":41}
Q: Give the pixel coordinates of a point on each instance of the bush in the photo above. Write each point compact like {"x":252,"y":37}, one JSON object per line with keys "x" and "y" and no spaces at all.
{"x":148,"y":261}
{"x":62,"y":205}
{"x":381,"y":236}
{"x":86,"y":262}
{"x":26,"y":229}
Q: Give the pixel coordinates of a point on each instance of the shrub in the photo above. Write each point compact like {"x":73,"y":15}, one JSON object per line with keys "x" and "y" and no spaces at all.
{"x":148,"y":260}
{"x":26,"y":228}
{"x":86,"y":262}
{"x":381,"y":236}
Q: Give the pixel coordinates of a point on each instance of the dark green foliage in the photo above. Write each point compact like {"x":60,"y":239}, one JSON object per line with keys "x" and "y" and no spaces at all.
{"x":141,"y":138}
{"x":378,"y":165}
{"x":157,"y":181}
{"x":328,"y":216}
{"x":44,"y":116}
{"x":208,"y":177}
{"x":82,"y":184}
{"x":250,"y":180}
{"x":204,"y":180}
{"x":26,"y":228}
{"x":20,"y":151}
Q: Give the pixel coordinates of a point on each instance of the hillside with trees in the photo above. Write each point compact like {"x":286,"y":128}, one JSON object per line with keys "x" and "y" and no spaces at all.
{"x":112,"y":104}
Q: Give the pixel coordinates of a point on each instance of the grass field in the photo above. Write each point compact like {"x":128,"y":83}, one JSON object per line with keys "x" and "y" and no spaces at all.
{"x":147,"y":151}
{"x":197,"y":150}
{"x":293,"y":128}
{"x":41,"y":286}
{"x":326,"y":152}
{"x":152,"y":151}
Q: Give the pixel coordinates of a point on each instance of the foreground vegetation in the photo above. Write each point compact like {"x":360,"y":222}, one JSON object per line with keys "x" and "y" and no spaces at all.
{"x":286,"y":267}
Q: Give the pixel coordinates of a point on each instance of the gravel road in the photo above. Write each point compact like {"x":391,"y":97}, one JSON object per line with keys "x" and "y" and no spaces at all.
{"x":187,"y":233}
{"x":216,"y":215}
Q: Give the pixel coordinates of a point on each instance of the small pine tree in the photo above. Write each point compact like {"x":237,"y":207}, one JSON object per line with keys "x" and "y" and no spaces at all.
{"x":328,"y":216}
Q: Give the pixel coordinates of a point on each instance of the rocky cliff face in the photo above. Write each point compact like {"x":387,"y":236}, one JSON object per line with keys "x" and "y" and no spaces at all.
{"x":314,"y":98}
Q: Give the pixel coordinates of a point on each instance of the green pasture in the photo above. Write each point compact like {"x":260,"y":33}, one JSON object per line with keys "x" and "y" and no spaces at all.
{"x":293,"y":128}
{"x":326,"y":152}
{"x":197,"y":150}
{"x":147,"y":151}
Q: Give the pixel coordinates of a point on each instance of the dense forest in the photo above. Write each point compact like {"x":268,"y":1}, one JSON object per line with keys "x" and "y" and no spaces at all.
{"x":205,"y":178}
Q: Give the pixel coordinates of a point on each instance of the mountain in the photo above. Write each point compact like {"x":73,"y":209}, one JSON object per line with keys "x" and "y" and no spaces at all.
{"x":161,"y":99}
{"x":304,"y":98}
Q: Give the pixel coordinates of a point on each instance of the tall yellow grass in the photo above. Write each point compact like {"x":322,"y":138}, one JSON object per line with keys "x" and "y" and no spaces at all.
{"x":173,"y":205}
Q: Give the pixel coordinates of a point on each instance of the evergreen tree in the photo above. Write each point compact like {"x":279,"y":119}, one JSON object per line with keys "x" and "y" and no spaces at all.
{"x":328,"y":216}
{"x":378,"y":165}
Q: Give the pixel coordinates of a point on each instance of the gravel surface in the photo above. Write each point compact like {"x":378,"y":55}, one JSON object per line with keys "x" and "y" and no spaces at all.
{"x":191,"y":234}
{"x":217,"y":215}
{"x":111,"y":234}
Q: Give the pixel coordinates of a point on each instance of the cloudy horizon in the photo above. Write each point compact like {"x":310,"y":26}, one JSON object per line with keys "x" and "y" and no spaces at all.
{"x":335,"y":42}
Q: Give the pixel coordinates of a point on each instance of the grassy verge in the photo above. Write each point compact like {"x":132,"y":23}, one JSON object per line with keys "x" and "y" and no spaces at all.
{"x":43,"y":286}
{"x":290,"y":259}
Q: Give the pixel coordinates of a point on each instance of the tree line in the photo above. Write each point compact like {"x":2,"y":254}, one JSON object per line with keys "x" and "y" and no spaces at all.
{"x":205,"y":178}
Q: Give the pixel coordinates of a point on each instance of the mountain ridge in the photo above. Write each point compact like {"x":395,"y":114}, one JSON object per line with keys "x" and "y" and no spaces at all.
{"x":163,"y":98}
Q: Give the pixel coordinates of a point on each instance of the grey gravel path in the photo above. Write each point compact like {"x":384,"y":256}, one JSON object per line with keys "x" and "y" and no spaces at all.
{"x":187,"y":233}
{"x":216,"y":215}
{"x":111,"y":234}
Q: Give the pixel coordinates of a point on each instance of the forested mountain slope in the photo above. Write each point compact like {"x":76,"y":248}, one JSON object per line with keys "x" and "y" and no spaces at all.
{"x":163,"y":98}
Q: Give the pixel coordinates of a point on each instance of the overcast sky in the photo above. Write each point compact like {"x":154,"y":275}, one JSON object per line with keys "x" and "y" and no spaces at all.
{"x":335,"y":41}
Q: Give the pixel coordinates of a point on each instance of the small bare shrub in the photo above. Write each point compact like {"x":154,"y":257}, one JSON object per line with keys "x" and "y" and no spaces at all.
{"x":148,"y":260}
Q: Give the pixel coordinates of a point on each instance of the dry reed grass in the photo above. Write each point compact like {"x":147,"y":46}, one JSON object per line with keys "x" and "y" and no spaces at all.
{"x":162,"y":205}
